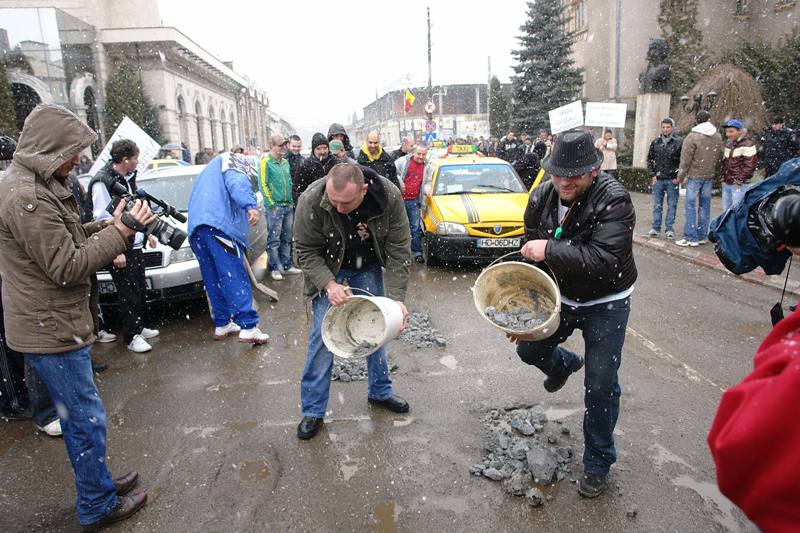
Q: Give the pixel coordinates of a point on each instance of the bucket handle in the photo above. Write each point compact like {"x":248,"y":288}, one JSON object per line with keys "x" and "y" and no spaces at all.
{"x":360,"y":289}
{"x":504,"y":256}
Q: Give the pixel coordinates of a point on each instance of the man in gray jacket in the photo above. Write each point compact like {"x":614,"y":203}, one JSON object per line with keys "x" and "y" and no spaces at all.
{"x":351,"y":227}
{"x":701,"y":155}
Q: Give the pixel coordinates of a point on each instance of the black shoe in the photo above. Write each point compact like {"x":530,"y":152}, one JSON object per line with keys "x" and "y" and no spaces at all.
{"x":99,"y":367}
{"x":419,"y":259}
{"x":394,"y":403}
{"x":552,"y":384}
{"x":309,"y":427}
{"x":125,"y":508}
{"x":592,"y":486}
{"x":123,"y":485}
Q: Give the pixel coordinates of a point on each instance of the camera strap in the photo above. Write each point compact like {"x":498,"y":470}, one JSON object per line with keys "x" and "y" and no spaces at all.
{"x":776,"y":313}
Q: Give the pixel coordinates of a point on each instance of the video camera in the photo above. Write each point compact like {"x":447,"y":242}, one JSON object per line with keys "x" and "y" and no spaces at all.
{"x":166,"y":233}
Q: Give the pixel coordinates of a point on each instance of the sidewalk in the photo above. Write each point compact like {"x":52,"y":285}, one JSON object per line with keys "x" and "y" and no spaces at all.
{"x":701,"y":255}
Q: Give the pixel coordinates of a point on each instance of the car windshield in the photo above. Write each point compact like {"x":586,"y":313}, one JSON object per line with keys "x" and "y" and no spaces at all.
{"x":175,"y":190}
{"x":456,"y":179}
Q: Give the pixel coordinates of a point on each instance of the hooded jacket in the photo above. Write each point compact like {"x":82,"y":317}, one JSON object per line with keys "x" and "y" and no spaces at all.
{"x":664,"y":157}
{"x":739,"y":160}
{"x":701,"y":153}
{"x":593,"y":257}
{"x":383,"y":164}
{"x":319,"y":236}
{"x":310,"y":171}
{"x":221,"y":196}
{"x":47,"y":256}
{"x":754,"y":437}
{"x":338,"y":129}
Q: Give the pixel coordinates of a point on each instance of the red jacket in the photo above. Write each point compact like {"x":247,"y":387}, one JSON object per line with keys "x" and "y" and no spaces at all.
{"x":739,"y":161}
{"x":755,"y":437}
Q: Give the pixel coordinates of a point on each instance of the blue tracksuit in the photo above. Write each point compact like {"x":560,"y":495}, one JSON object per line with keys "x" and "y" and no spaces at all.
{"x":218,"y":229}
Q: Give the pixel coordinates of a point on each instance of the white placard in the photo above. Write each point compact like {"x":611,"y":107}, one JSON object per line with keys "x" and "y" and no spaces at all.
{"x":606,"y":114}
{"x":566,"y":117}
{"x":128,"y":129}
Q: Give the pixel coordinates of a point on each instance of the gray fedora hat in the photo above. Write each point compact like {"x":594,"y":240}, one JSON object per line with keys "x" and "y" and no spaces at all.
{"x":573,"y":154}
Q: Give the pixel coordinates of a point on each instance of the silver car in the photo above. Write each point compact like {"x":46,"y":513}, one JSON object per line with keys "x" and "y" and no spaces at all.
{"x":172,"y":275}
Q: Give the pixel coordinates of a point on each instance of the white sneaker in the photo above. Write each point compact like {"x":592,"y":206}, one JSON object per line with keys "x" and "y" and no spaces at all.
{"x":276,"y":275}
{"x":53,"y":429}
{"x":139,"y":345}
{"x":228,"y":329}
{"x":652,"y":233}
{"x":670,"y":235}
{"x":149,"y":333}
{"x":104,"y":336}
{"x":253,"y":336}
{"x":703,"y":241}
{"x":684,"y":242}
{"x":292,"y":270}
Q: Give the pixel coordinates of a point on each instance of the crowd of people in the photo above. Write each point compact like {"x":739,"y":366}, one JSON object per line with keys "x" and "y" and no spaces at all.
{"x":728,"y":157}
{"x":345,"y":219}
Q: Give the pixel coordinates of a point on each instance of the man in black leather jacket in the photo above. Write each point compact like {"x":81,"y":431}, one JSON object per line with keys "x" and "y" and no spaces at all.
{"x":580,"y":226}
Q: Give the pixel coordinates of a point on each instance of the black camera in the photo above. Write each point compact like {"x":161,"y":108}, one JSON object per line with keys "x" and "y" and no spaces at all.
{"x":775,"y":220}
{"x":166,"y":233}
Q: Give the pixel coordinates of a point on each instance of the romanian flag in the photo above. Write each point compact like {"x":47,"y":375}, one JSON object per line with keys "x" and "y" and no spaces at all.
{"x":409,"y":100}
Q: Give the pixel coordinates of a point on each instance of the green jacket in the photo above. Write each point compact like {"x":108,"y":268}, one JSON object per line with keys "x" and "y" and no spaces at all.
{"x":319,"y":237}
{"x":275,"y":181}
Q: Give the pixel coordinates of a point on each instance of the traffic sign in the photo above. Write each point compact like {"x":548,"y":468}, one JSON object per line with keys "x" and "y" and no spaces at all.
{"x":430,"y":107}
{"x":430,"y":125}
{"x":429,"y":137}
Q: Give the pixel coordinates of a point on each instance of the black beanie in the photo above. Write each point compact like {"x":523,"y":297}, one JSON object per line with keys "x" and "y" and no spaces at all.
{"x":317,"y":140}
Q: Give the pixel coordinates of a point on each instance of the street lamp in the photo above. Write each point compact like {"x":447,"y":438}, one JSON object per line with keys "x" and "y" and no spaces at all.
{"x":697,"y":105}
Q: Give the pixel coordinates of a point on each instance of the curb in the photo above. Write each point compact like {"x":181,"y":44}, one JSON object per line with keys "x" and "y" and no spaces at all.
{"x":699,"y":257}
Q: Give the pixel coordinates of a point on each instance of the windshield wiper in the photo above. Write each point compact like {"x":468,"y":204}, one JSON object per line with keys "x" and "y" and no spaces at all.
{"x":453,"y":192}
{"x":491,"y":186}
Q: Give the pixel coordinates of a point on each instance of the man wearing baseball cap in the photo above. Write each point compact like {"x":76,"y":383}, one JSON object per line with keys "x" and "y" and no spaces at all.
{"x":579,"y":228}
{"x":739,"y":160}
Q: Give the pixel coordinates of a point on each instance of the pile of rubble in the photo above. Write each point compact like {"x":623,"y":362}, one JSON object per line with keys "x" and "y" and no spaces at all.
{"x":421,"y":333}
{"x":523,"y":447}
{"x":353,"y":369}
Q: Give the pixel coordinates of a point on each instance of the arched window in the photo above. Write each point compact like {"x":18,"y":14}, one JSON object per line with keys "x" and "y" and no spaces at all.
{"x":198,"y":117}
{"x":212,"y":123}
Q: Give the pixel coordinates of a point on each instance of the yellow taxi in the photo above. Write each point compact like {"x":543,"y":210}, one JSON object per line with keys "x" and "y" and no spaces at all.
{"x":159,"y":164}
{"x":471,"y":207}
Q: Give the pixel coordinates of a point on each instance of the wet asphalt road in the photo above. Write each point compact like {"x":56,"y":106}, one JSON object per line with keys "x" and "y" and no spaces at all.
{"x":211,"y":425}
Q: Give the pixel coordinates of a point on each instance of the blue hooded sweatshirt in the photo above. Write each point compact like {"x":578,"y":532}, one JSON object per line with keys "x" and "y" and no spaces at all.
{"x":221,"y":196}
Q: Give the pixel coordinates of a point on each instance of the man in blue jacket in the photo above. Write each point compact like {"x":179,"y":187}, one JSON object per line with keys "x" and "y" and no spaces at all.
{"x":220,"y":208}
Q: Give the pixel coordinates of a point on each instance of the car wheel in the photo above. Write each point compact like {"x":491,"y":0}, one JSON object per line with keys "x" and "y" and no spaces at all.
{"x":430,"y":259}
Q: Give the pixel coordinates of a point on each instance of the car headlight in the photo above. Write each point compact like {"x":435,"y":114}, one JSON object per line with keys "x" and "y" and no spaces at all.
{"x":451,"y":228}
{"x":182,"y":255}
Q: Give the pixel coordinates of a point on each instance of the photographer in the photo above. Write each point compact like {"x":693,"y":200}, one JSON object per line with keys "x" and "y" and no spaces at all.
{"x":47,"y":261}
{"x":127,"y":270}
{"x":755,"y":436}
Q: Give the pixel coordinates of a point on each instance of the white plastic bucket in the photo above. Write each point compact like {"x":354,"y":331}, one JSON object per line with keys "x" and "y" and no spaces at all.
{"x":361,"y":325}
{"x":514,"y":285}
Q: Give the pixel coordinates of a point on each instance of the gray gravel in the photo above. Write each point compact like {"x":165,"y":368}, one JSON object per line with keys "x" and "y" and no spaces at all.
{"x":517,"y":319}
{"x":353,"y":369}
{"x":522,"y":448}
{"x":421,"y":333}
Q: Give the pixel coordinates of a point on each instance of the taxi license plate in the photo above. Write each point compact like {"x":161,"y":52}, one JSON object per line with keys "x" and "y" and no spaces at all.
{"x":499,"y":243}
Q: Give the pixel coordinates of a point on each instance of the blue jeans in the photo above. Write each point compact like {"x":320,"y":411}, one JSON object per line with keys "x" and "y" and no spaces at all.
{"x":68,"y":377}
{"x":43,"y":411}
{"x":316,"y":382}
{"x":732,"y":195}
{"x":603,"y":327}
{"x":224,"y":275}
{"x":412,"y":210}
{"x":660,"y":189}
{"x":697,"y":210}
{"x":280,"y":220}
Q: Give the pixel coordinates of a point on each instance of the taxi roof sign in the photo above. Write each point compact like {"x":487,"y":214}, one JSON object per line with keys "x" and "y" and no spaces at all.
{"x":462,"y":149}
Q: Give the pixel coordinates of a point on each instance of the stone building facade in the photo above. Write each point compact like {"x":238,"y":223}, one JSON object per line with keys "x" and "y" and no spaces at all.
{"x":70,"y":48}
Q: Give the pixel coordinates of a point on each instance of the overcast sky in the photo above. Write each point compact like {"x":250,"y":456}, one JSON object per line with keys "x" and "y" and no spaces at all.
{"x":320,"y":60}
